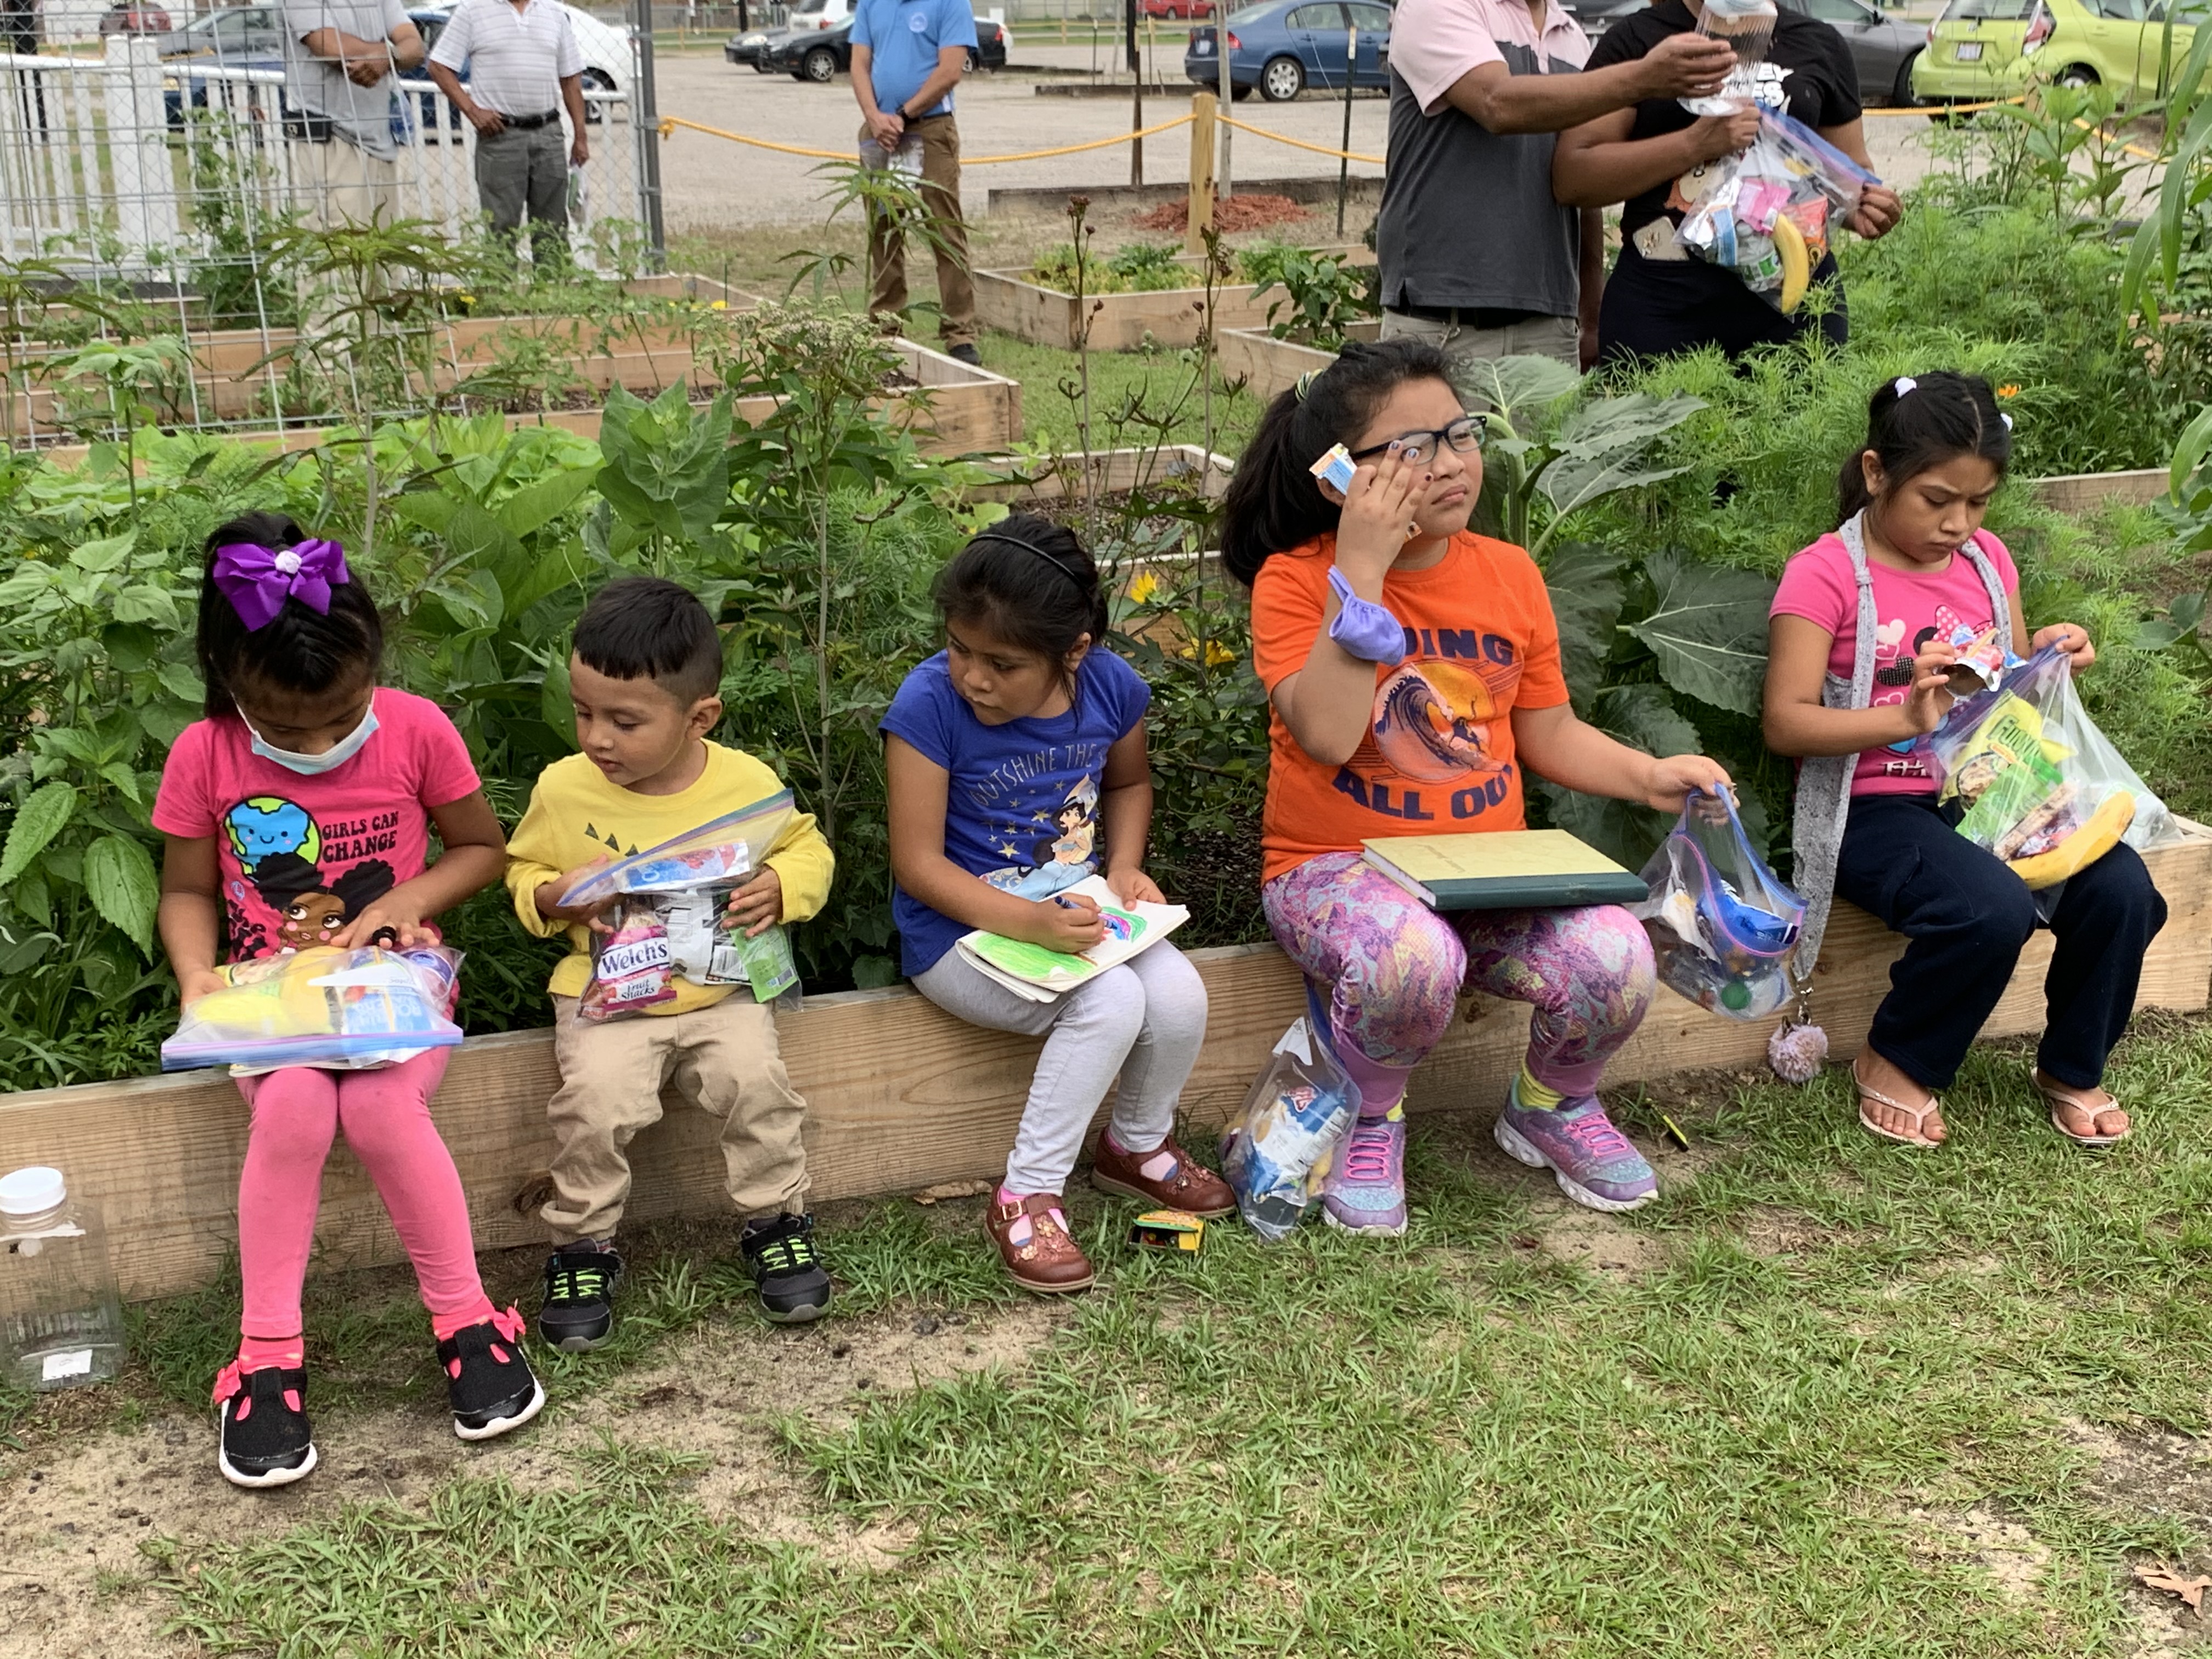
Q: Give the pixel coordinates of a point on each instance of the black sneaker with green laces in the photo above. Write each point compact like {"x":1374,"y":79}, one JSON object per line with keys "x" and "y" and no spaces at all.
{"x":578,"y":1313}
{"x":793,"y":1285}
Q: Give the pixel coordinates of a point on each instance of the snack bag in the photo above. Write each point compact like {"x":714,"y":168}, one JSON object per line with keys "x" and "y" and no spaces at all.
{"x":1722,"y":925}
{"x":2041,"y":787}
{"x":322,"y":1007}
{"x":666,"y":915}
{"x":1764,"y":214}
{"x":1280,"y":1148}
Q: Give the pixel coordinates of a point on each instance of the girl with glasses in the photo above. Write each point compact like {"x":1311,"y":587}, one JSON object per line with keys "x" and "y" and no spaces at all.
{"x":1413,"y":670}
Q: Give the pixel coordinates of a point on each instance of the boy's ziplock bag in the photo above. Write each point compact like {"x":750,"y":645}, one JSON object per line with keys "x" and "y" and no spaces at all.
{"x":1764,"y":214}
{"x":1723,"y":927}
{"x":2038,"y":785}
{"x":666,"y":917}
{"x":340,"y":1009}
{"x":1281,"y":1145}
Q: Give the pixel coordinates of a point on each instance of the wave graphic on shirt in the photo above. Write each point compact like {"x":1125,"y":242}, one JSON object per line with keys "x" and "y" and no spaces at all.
{"x":1433,"y":720}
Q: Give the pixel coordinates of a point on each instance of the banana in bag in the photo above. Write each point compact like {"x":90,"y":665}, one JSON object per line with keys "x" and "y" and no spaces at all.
{"x":1764,"y":214}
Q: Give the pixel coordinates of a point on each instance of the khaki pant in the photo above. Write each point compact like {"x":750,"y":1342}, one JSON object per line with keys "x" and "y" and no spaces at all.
{"x":940,"y":199}
{"x":724,"y":1057}
{"x":1559,"y":338}
{"x":340,"y":184}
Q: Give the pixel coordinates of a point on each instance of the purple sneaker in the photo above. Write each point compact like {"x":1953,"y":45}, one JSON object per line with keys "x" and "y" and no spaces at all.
{"x":1365,"y":1192}
{"x":1593,"y":1162}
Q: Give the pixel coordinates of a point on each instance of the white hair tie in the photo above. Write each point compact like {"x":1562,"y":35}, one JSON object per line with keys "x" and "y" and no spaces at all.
{"x":1903,"y":384}
{"x":2006,"y":418}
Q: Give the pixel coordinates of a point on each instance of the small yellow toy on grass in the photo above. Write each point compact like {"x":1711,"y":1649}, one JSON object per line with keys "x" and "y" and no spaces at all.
{"x":1168,"y":1230}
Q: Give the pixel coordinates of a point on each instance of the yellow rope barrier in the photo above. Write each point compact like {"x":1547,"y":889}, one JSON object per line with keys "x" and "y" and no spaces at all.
{"x":669,"y":122}
{"x":1926,"y":112}
{"x":1298,"y":144}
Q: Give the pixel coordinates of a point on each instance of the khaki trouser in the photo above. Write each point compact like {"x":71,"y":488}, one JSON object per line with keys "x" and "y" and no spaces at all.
{"x":1559,"y":338}
{"x":341,"y":183}
{"x":940,"y":199}
{"x":724,"y":1057}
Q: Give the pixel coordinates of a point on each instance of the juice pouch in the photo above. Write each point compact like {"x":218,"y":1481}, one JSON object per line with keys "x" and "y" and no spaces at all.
{"x":2034,"y":780}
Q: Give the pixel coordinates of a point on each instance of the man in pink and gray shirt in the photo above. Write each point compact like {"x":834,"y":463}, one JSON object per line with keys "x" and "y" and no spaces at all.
{"x":1477,"y":254}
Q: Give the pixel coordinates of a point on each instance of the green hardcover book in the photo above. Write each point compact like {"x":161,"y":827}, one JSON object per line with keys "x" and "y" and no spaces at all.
{"x":1503,"y":870}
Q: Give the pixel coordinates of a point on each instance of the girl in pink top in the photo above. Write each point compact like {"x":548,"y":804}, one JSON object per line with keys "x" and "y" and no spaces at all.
{"x":1860,"y":646}
{"x":298,"y":813}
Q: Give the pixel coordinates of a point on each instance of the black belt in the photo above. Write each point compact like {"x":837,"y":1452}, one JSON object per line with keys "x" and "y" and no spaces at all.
{"x":530,"y":123}
{"x":1469,"y":316}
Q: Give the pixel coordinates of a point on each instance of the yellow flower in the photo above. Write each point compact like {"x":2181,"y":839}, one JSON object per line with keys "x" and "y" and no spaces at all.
{"x":1147,"y":584}
{"x":720,"y":305}
{"x":2007,"y":392}
{"x":1217,"y":653}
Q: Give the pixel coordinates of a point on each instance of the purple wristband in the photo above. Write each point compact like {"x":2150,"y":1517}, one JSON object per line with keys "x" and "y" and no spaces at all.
{"x":1367,"y":631}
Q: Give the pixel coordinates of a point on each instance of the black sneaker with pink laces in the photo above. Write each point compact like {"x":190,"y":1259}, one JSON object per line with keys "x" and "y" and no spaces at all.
{"x":492,"y":1384}
{"x":265,"y":1440}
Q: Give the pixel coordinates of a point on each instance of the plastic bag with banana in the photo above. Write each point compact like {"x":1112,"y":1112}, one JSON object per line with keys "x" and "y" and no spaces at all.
{"x":1764,"y":214}
{"x":2034,"y":780}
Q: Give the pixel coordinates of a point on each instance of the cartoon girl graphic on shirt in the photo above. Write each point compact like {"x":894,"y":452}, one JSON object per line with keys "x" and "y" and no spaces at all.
{"x":277,"y":842}
{"x":1063,"y":861}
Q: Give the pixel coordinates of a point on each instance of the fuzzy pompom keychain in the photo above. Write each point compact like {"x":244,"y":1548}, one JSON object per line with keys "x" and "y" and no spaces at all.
{"x":1798,"y":1047}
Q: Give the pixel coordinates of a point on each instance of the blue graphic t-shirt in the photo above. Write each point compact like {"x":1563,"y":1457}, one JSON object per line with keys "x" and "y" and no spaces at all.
{"x":1021,"y":809}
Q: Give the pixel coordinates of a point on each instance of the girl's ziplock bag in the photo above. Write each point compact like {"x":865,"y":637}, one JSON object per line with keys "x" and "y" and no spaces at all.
{"x":1279,"y":1149}
{"x":2037,"y":783}
{"x":339,"y":1010}
{"x":1722,"y":925}
{"x":1764,"y":214}
{"x":665,"y":916}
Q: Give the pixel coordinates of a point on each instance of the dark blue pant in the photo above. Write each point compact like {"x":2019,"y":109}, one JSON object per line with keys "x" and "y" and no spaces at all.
{"x":1967,"y":917}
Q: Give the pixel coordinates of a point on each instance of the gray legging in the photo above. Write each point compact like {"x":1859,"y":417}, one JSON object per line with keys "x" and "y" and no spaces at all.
{"x":1144,"y":1020}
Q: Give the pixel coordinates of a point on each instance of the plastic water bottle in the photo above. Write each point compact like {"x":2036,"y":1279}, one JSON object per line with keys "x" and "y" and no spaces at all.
{"x":1748,"y":26}
{"x":61,"y":1320}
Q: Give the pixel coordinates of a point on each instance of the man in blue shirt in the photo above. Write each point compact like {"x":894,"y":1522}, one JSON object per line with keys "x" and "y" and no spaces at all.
{"x":908,"y":55}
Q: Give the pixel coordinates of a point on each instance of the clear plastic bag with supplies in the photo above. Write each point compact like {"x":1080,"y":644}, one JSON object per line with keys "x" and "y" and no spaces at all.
{"x":665,"y":916}
{"x":322,"y":1007}
{"x":1764,"y":214}
{"x":1284,"y":1140}
{"x":1723,"y":927}
{"x":2036,"y":782}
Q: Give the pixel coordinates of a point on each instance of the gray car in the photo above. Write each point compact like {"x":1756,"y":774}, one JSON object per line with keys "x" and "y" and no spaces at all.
{"x":1882,"y":46}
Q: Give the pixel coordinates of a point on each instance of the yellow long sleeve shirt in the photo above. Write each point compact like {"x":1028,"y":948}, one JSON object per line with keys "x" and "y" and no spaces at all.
{"x":576,"y":815}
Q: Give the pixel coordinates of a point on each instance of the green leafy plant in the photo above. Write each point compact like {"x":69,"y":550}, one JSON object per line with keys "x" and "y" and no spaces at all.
{"x":1324,"y":294}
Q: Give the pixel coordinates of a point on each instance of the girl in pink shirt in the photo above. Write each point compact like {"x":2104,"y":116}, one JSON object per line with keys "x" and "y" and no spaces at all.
{"x":1860,"y":644}
{"x":298,"y":813}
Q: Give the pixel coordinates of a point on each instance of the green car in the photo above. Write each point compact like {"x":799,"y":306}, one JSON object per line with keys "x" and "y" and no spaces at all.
{"x":1980,"y":49}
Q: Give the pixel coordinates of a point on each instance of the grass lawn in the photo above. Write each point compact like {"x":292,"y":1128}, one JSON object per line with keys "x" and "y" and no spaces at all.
{"x":1829,"y":1398}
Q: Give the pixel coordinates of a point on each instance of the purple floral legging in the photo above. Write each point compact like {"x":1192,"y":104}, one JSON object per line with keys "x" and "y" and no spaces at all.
{"x":1389,"y":967}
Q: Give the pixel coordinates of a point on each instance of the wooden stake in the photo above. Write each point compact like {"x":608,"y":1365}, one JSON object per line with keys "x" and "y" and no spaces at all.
{"x":1203,"y":107}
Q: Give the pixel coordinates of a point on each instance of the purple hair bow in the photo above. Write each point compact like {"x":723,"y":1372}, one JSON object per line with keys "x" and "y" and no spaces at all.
{"x":257,"y":580}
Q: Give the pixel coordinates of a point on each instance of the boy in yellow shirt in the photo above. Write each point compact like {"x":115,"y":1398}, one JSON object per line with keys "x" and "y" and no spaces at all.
{"x":645,"y":675}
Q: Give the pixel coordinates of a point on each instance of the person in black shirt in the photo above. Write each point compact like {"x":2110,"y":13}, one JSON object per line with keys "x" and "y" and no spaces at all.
{"x":1661,"y":298}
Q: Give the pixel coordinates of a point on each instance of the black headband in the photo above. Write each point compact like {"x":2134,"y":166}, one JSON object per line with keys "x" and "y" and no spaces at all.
{"x":1015,"y":541}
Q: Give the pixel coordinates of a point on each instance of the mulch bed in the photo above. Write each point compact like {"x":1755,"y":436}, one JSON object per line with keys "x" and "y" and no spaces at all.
{"x":1230,"y":213}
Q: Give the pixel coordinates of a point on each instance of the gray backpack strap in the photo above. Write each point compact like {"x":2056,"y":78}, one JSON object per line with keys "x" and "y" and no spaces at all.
{"x":1824,"y":782}
{"x":1992,"y":584}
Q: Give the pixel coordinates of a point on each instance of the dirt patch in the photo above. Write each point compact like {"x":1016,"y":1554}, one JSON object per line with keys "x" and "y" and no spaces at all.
{"x":2007,"y":1550}
{"x":1230,"y":214}
{"x":1597,"y":1243}
{"x":72,"y":1518}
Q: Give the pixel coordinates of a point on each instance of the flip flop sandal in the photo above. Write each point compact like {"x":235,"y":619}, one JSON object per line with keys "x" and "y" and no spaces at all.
{"x":2057,"y":1098}
{"x":1919,"y":1114}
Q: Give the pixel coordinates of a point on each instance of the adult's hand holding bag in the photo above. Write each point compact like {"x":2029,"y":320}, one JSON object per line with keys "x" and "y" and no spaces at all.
{"x":2038,"y":784}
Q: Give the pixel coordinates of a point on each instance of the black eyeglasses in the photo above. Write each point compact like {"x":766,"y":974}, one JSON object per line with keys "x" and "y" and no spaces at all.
{"x":1463,"y":435}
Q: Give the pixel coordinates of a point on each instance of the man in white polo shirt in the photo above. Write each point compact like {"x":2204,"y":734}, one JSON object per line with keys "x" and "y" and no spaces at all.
{"x":1476,"y":253}
{"x":524,"y":66}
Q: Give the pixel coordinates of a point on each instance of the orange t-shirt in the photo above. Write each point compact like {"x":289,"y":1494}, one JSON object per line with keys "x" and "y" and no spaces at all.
{"x":1438,"y":753}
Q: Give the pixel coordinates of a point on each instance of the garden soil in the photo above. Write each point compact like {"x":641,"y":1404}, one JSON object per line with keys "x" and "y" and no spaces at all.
{"x":72,"y":1517}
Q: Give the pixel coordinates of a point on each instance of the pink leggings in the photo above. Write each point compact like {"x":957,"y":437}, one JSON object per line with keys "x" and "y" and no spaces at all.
{"x":386,"y":1118}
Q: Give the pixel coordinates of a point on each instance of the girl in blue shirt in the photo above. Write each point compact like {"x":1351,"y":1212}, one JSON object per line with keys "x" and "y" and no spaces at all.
{"x":1016,"y":768}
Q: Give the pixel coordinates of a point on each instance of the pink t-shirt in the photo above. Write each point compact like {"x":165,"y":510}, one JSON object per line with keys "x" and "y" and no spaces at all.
{"x":1910,"y":606}
{"x":299,"y":856}
{"x":1434,"y":42}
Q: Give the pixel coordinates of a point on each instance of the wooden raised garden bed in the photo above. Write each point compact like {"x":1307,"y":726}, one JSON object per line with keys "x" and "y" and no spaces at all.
{"x":1009,"y":302}
{"x":900,"y":1094}
{"x":967,"y":410}
{"x":1268,"y":365}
